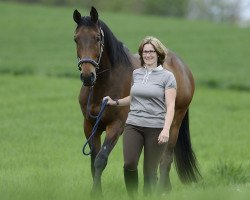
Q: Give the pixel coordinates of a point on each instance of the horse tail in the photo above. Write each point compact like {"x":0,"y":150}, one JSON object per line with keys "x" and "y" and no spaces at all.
{"x":184,"y":157}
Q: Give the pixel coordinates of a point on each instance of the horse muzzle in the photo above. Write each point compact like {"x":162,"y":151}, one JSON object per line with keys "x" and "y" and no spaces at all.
{"x":88,"y":80}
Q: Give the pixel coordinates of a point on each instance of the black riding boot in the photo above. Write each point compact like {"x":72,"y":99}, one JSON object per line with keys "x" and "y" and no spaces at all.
{"x":131,"y":182}
{"x":149,"y":185}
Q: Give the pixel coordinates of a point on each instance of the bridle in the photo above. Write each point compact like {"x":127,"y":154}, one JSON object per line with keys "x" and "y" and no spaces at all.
{"x":91,"y":61}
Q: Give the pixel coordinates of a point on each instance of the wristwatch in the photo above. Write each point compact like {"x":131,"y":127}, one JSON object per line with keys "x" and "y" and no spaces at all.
{"x":117,"y":102}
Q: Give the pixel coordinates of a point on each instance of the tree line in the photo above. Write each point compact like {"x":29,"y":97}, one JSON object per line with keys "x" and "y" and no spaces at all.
{"x":215,"y":10}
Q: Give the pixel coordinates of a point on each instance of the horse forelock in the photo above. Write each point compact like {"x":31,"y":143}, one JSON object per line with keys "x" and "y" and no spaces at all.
{"x":117,"y":53}
{"x":85,"y":21}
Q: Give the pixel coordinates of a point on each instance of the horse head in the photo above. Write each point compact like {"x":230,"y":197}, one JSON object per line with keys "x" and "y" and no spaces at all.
{"x":89,"y":39}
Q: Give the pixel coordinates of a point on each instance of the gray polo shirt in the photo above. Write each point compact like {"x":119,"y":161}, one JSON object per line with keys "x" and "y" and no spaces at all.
{"x":147,"y":107}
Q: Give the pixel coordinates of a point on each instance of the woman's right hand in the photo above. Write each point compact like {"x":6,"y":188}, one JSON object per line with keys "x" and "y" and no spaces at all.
{"x":110,"y":101}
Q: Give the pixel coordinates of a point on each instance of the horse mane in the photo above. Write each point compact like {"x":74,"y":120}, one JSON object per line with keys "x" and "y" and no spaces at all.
{"x":118,"y":54}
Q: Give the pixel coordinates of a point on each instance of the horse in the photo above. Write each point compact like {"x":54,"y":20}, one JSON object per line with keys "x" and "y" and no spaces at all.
{"x":106,"y":67}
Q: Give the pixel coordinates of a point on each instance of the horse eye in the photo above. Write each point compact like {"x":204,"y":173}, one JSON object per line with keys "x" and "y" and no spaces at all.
{"x":98,"y":39}
{"x":75,"y":39}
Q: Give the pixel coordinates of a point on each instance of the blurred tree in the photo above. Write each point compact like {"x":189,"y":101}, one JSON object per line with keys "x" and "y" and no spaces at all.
{"x":215,"y":10}
{"x":117,"y":5}
{"x":176,"y":8}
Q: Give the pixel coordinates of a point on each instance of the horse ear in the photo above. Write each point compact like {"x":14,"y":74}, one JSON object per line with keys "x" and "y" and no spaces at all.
{"x":77,"y":16}
{"x":94,"y":14}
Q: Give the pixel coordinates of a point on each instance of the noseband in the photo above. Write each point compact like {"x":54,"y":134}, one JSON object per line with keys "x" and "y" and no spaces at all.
{"x":91,"y":61}
{"x":88,"y":60}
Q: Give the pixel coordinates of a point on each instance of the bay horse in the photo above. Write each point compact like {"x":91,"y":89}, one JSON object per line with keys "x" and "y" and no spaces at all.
{"x":106,"y":67}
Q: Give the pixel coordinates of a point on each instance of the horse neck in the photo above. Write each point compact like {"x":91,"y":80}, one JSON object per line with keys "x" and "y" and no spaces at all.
{"x":103,"y":75}
{"x":112,"y":81}
{"x":118,"y":77}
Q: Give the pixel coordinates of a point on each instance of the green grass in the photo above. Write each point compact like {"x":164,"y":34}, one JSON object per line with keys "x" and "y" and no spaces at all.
{"x":41,"y":133}
{"x":42,"y":137}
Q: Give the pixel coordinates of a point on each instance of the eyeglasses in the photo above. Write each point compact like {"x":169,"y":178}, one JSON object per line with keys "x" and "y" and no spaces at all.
{"x":148,"y":52}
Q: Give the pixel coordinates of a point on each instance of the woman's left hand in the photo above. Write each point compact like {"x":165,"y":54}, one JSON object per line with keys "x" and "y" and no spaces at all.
{"x":163,"y":137}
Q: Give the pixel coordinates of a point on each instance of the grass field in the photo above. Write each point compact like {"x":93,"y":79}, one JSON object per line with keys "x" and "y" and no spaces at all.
{"x":41,"y":124}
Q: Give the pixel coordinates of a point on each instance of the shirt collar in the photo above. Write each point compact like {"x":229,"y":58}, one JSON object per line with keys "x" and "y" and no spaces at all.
{"x":159,"y":68}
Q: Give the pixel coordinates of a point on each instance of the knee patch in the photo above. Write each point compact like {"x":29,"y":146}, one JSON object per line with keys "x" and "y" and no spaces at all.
{"x":130,"y":166}
{"x":100,"y":161}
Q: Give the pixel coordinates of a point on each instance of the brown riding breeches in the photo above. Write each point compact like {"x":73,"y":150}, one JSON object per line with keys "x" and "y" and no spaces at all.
{"x":135,"y":138}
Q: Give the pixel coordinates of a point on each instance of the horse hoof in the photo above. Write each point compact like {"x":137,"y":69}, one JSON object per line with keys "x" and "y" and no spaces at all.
{"x":96,"y":193}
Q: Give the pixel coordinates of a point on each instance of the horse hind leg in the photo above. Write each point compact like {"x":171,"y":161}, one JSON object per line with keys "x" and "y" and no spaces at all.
{"x":168,"y":155}
{"x":165,"y":166}
{"x":185,"y":159}
{"x":180,"y":146}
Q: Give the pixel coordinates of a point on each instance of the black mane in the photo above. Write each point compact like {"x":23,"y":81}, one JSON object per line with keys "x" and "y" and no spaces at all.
{"x":117,"y":52}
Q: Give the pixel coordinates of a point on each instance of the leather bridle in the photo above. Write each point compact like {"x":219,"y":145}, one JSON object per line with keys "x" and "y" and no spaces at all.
{"x":90,"y":60}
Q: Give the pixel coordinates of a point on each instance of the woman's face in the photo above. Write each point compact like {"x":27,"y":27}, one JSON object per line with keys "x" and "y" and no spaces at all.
{"x":149,"y":55}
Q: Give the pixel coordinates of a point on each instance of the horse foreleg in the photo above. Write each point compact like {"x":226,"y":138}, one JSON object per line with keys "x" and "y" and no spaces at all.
{"x":95,"y":150}
{"x":95,"y":147}
{"x":101,"y":159}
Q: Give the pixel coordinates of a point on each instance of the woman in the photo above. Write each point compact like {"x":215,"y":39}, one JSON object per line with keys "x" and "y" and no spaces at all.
{"x":152,"y":105}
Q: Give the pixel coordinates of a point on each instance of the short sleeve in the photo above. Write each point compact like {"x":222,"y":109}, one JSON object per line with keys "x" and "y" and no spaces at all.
{"x":170,"y":81}
{"x":132,"y":78}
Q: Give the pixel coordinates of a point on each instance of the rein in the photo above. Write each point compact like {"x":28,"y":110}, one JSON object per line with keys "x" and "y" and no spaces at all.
{"x":105,"y":70}
{"x":98,"y":118}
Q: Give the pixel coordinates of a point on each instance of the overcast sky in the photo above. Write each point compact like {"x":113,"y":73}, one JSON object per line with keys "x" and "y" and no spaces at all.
{"x":245,"y":9}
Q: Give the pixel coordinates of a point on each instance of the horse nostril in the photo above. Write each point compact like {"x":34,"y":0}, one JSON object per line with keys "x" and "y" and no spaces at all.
{"x":81,"y":77}
{"x":88,"y":80}
{"x":92,"y":77}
